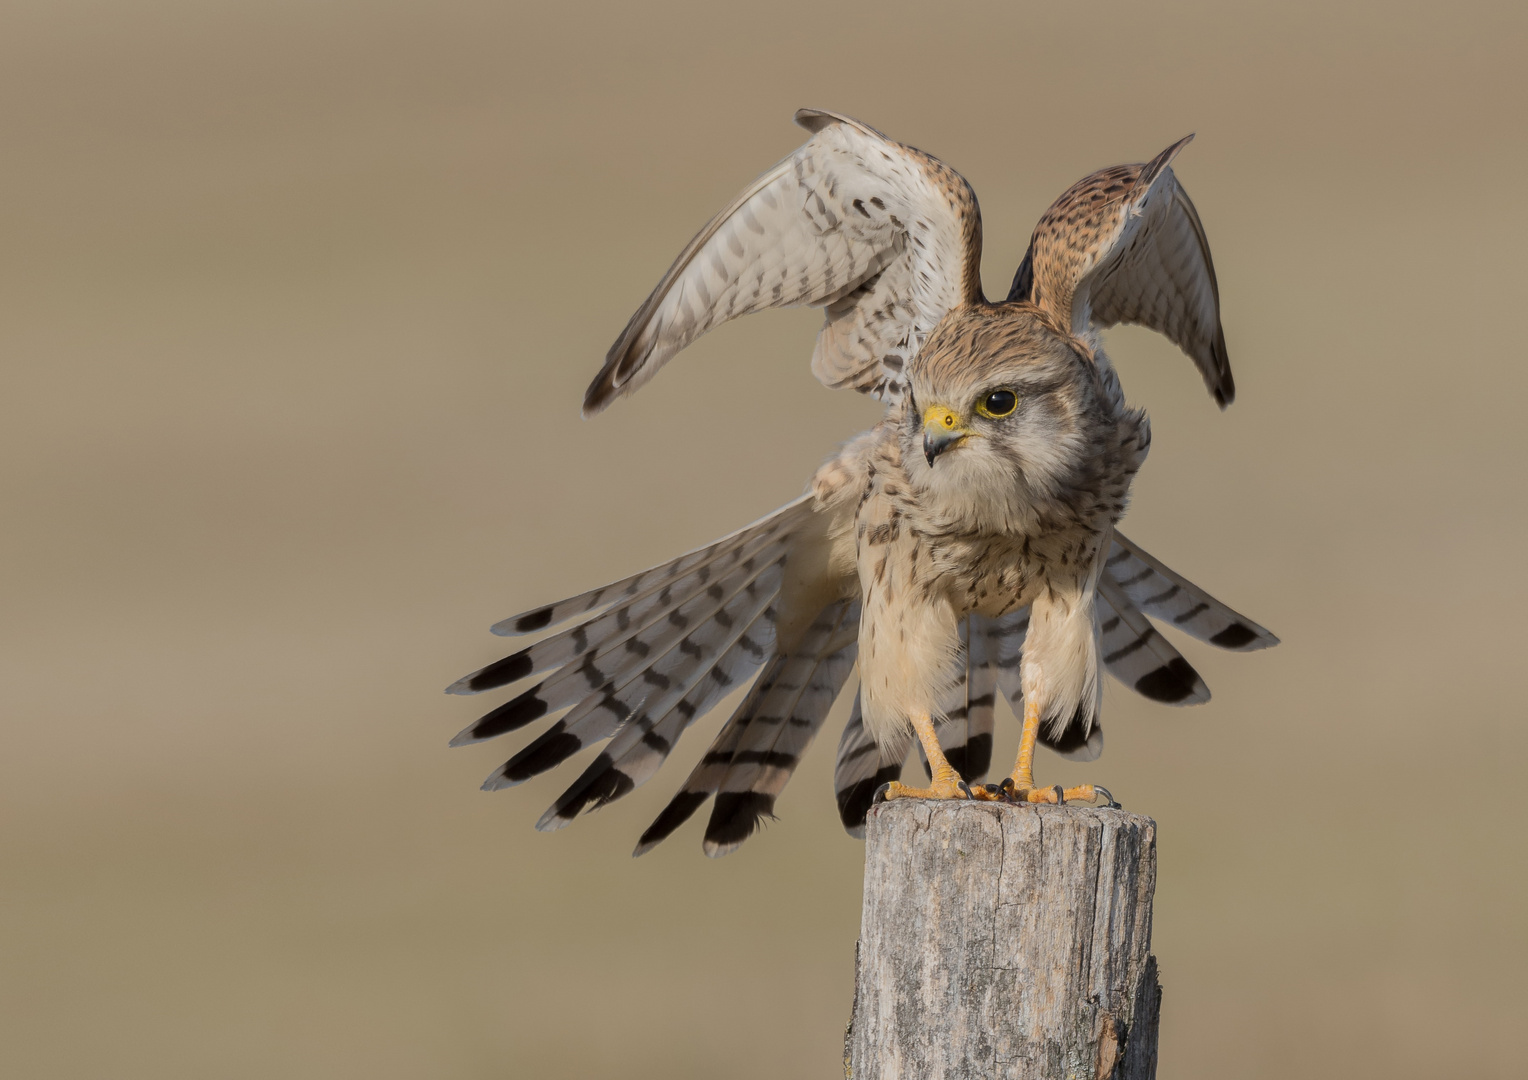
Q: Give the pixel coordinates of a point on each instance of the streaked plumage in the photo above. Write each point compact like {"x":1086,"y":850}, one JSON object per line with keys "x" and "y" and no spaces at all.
{"x":954,"y":551}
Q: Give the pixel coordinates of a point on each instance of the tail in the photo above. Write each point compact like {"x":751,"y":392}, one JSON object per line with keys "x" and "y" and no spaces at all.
{"x":653,"y":652}
{"x":758,"y":749}
{"x":1133,"y":585}
{"x":646,"y":656}
{"x":650,"y":654}
{"x":965,"y":735}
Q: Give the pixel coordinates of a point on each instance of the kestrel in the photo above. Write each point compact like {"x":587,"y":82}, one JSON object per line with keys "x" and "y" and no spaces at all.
{"x":964,"y":545}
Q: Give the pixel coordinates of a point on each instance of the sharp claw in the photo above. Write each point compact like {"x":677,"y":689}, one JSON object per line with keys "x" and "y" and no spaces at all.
{"x":993,"y":789}
{"x":1108,"y":798}
{"x":880,"y":793}
{"x":1060,"y":795}
{"x":965,"y":787}
{"x":1006,"y":787}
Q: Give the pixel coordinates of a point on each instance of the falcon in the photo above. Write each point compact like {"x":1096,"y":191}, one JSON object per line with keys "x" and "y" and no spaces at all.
{"x":963,"y":547}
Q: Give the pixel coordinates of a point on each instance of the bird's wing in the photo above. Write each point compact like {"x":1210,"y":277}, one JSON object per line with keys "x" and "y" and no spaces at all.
{"x":883,"y":236}
{"x":1125,"y":245}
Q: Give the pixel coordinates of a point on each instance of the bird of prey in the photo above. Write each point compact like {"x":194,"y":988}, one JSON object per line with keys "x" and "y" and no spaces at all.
{"x":964,"y":546}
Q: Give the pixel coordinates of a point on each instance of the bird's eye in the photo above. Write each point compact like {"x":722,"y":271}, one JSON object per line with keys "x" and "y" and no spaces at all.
{"x":998,"y":404}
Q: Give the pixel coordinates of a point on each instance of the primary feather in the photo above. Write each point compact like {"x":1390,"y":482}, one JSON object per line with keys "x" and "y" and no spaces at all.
{"x":882,"y":235}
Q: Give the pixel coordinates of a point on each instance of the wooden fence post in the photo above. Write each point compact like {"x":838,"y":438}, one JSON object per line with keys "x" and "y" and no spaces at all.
{"x":1005,"y":941}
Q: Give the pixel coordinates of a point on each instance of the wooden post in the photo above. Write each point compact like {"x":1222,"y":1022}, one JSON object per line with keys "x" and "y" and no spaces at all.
{"x":1005,"y":941}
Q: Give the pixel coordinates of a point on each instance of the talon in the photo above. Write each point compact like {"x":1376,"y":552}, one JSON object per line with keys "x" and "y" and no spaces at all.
{"x":880,"y":793}
{"x":993,"y":789}
{"x":1108,"y":798}
{"x":966,"y":789}
{"x":1020,"y":785}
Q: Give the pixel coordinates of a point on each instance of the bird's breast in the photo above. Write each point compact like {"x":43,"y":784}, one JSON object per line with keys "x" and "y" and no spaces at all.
{"x":988,"y":575}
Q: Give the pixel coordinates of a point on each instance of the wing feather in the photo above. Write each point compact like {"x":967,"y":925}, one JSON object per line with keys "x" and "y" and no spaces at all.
{"x":885,"y":237}
{"x":1126,"y":245}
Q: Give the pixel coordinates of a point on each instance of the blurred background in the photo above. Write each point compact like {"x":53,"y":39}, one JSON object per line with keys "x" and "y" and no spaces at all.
{"x":299,"y":302}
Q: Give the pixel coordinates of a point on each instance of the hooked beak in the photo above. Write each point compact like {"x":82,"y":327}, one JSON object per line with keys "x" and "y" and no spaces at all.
{"x":941,"y":430}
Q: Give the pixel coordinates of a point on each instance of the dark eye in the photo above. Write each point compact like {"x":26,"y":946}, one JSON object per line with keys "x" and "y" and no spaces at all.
{"x":998,"y":404}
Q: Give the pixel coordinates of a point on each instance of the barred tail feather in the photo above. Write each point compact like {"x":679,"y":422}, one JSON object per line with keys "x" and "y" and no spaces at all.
{"x":750,"y":738}
{"x":1079,"y":739}
{"x":627,"y":620}
{"x":775,"y":523}
{"x":1138,"y":655}
{"x":637,"y":652}
{"x":981,"y":705}
{"x":965,"y":733}
{"x":700,"y":784}
{"x":640,"y":748}
{"x":778,"y":734}
{"x":657,"y":687}
{"x":861,"y":768}
{"x":1167,"y":595}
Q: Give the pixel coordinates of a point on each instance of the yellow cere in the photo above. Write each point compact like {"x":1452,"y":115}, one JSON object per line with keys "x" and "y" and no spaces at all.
{"x":938,"y":417}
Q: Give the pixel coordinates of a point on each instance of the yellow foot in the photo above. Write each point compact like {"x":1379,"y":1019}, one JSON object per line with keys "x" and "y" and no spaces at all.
{"x":1010,"y":791}
{"x":942,"y":788}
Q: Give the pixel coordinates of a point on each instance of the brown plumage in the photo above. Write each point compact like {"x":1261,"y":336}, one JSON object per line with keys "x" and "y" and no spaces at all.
{"x":964,"y":546}
{"x":1104,"y":253}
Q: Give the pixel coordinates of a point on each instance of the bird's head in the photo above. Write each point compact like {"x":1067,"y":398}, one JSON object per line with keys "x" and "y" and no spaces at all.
{"x":1002,"y":410}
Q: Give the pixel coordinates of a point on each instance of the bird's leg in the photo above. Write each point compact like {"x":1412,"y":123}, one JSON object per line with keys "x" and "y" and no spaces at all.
{"x":1020,"y":786}
{"x":946,"y":782}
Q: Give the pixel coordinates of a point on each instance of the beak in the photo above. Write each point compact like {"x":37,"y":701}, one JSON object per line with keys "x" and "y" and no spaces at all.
{"x":942,"y":429}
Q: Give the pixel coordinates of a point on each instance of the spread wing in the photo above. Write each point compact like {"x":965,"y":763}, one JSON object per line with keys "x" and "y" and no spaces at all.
{"x":1125,"y":245}
{"x":883,"y":236}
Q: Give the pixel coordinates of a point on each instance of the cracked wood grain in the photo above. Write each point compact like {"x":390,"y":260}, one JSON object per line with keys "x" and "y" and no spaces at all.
{"x":1005,"y":941}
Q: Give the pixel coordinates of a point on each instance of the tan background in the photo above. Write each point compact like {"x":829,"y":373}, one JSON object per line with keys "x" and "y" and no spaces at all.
{"x":297,"y":303}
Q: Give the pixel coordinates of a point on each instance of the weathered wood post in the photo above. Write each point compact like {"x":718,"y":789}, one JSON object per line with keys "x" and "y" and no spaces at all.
{"x":1005,"y":941}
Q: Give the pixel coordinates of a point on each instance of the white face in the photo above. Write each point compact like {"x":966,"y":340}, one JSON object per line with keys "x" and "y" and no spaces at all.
{"x":989,"y":452}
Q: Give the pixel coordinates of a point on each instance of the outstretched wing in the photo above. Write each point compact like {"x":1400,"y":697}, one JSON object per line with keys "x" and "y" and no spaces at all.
{"x":1125,"y":245}
{"x":883,"y":236}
